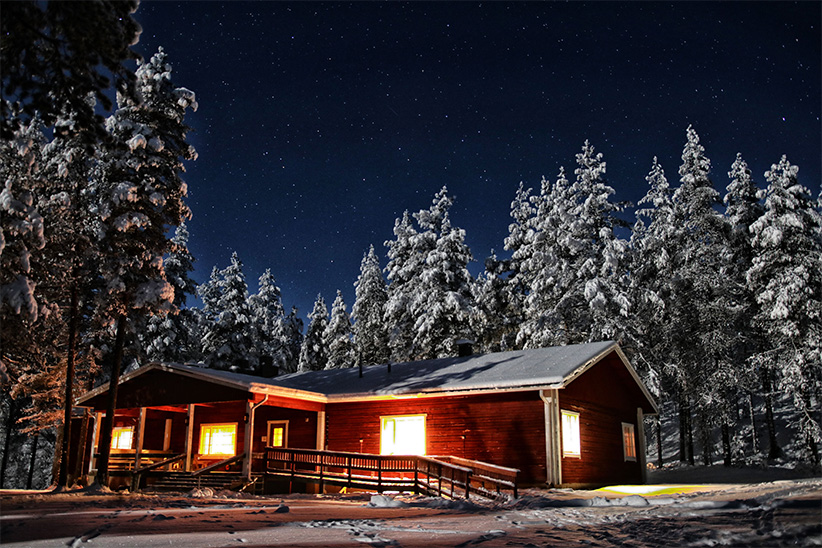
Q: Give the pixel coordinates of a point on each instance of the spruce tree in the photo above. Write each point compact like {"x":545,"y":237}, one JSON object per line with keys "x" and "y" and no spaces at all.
{"x":141,"y":194}
{"x":230,"y":341}
{"x":314,"y":353}
{"x":269,"y":317}
{"x":337,"y":337}
{"x":403,"y":273}
{"x":786,"y":278}
{"x":370,"y":336}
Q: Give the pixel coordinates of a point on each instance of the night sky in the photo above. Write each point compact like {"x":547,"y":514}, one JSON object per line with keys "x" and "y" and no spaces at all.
{"x":320,"y":123}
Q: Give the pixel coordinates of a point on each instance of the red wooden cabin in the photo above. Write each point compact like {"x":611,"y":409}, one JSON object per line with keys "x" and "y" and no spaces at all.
{"x":565,"y":416}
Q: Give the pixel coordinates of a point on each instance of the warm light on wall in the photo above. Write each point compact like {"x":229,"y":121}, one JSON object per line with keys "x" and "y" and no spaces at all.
{"x":218,"y":439}
{"x":402,"y":435}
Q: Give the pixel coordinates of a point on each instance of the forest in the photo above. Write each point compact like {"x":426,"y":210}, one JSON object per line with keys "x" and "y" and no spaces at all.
{"x":713,"y":288}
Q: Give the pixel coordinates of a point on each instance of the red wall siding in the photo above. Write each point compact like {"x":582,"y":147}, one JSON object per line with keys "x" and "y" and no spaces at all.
{"x":302,"y":426}
{"x":605,"y":396}
{"x":507,"y":429}
{"x":226,"y":412}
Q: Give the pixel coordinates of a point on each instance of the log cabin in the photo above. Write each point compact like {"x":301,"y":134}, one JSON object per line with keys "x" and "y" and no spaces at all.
{"x":569,"y":416}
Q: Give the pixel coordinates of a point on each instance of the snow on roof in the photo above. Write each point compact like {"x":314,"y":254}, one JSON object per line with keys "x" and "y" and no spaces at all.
{"x":542,"y":367}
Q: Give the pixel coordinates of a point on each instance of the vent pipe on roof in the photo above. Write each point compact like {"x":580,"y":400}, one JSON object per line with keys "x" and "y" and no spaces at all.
{"x":465,"y":348}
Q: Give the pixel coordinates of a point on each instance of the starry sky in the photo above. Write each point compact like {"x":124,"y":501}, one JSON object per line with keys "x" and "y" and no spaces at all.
{"x":320,"y":123}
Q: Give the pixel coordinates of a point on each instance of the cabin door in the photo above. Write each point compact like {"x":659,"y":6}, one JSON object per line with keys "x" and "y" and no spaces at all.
{"x":277,"y":435}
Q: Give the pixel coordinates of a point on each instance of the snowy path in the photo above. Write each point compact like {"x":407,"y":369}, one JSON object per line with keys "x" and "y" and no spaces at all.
{"x":771,"y":514}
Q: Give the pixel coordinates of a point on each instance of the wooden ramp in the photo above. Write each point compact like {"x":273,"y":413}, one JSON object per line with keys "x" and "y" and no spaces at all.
{"x":450,"y":477}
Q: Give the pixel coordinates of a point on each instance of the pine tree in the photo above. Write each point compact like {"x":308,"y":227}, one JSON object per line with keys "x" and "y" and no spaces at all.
{"x":786,"y":278}
{"x":230,"y":341}
{"x":269,"y":317}
{"x":695,"y":315}
{"x":403,"y":272}
{"x":170,"y":337}
{"x":337,"y":337}
{"x":141,"y":196}
{"x":742,"y":209}
{"x":371,"y":294}
{"x":57,"y":54}
{"x":443,"y":305}
{"x":293,"y":337}
{"x":314,"y":353}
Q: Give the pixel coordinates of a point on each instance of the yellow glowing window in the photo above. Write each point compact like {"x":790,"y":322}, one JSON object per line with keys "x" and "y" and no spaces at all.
{"x":402,"y":435}
{"x":277,"y":434}
{"x":628,"y":441}
{"x":571,"y":446}
{"x":121,"y":437}
{"x":218,"y":439}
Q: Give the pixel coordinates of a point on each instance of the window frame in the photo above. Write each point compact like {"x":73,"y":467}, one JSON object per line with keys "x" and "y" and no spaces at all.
{"x":200,"y":447}
{"x":574,"y":452}
{"x":423,"y":416}
{"x":629,"y":452}
{"x":274,"y":424}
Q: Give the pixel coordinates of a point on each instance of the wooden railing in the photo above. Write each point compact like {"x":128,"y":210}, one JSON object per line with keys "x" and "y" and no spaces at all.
{"x":226,"y":462}
{"x":428,"y":475}
{"x":137,"y":474}
{"x":125,"y":460}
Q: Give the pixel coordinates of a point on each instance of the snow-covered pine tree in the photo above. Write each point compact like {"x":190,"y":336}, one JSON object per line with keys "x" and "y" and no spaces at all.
{"x":541,"y":265}
{"x":403,"y":273}
{"x":742,"y":209}
{"x":230,"y":341}
{"x":141,"y":194}
{"x":599,"y":254}
{"x":371,"y":294}
{"x":694,"y":311}
{"x":314,"y":353}
{"x":337,"y":337}
{"x":293,"y":337}
{"x":172,"y":337}
{"x":497,"y":312}
{"x":269,"y":318}
{"x":786,"y":278}
{"x":443,"y":306}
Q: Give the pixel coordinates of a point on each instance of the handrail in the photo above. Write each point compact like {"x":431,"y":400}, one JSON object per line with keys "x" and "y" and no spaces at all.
{"x":432,"y":475}
{"x":225,"y":462}
{"x":160,"y":464}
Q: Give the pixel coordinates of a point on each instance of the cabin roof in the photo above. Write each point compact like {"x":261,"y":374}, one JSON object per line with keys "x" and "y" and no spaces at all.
{"x":540,"y":368}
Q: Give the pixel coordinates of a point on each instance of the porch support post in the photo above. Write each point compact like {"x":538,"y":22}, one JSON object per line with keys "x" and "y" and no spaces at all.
{"x":189,"y":435}
{"x":553,"y":453}
{"x":640,"y":441}
{"x":248,"y":438}
{"x":95,"y":438}
{"x":138,"y":449}
{"x":167,"y":435}
{"x":141,"y":428}
{"x":320,"y":430}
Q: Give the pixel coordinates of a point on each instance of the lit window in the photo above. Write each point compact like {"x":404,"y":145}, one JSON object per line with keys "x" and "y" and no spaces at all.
{"x":277,"y":434}
{"x":218,"y":439}
{"x":402,"y":435}
{"x":570,"y":434}
{"x":121,"y":437}
{"x":628,"y":441}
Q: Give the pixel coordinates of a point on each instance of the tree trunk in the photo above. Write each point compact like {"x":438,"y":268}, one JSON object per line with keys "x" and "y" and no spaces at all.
{"x":774,"y":451}
{"x":108,"y":421}
{"x":7,"y":442}
{"x":754,"y":438}
{"x":683,"y":429}
{"x":726,"y":443}
{"x":79,"y":469}
{"x":33,"y":459}
{"x":62,"y":478}
{"x":659,"y":442}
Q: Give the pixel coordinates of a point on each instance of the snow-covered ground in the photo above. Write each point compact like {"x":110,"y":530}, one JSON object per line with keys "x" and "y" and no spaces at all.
{"x":777,"y":513}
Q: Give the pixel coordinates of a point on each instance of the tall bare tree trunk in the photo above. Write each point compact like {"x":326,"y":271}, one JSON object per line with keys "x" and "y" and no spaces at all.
{"x":108,"y":421}
{"x":659,"y":442}
{"x":726,"y":443}
{"x":62,"y":478}
{"x":10,"y":420}
{"x":774,"y":451}
{"x":33,"y":459}
{"x":754,"y":437}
